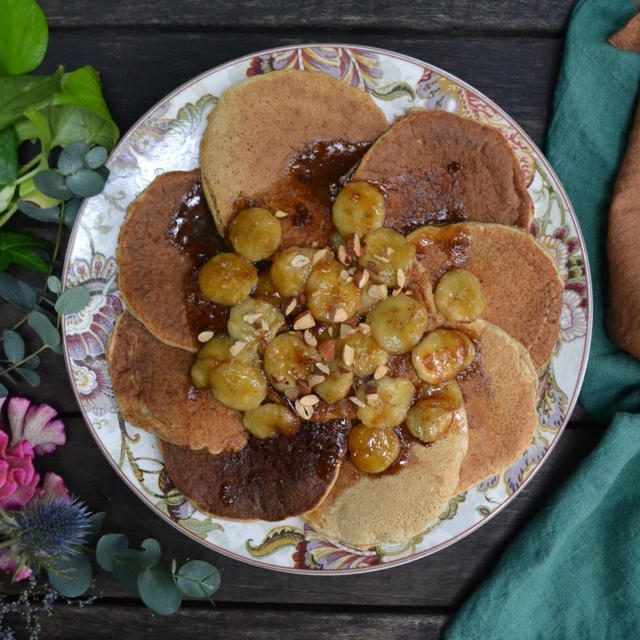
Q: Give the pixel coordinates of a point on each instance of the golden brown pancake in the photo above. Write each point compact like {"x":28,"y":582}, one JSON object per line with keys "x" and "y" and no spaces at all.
{"x":152,"y":386}
{"x":363,"y":509}
{"x":263,"y":125}
{"x":269,"y":479}
{"x":435,"y":167}
{"x":520,"y":283}
{"x":500,"y":399}
{"x":152,"y":269}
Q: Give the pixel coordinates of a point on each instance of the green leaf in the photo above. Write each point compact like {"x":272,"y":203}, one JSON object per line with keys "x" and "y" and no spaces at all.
{"x":18,"y":248}
{"x":71,"y":577}
{"x":109,"y":545}
{"x":151,"y":552}
{"x":19,"y":93}
{"x":198,"y":579}
{"x":6,"y":194}
{"x":85,"y":183}
{"x":8,"y":156}
{"x":13,"y":345}
{"x":96,"y":520}
{"x":52,"y":184}
{"x":30,"y":193}
{"x":71,"y":209}
{"x":82,"y":88}
{"x":73,"y":300}
{"x":43,"y":327}
{"x":18,"y":293}
{"x":72,"y":158}
{"x":47,"y":214}
{"x":42,"y":131}
{"x":127,"y":564}
{"x":158,"y":591}
{"x":29,"y":376}
{"x":25,"y":36}
{"x":33,"y":362}
{"x":96,"y":157}
{"x":54,"y":284}
{"x":4,"y":392}
{"x":70,"y":124}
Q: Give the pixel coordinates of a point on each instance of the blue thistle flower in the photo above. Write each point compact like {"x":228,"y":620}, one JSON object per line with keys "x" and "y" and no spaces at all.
{"x":51,"y":526}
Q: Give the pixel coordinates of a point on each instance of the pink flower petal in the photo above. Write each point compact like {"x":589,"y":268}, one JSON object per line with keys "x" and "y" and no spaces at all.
{"x":35,"y":424}
{"x":53,"y":484}
{"x":9,"y":563}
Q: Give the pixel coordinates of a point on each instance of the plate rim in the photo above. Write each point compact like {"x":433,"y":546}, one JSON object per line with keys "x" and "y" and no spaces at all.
{"x":570,"y":405}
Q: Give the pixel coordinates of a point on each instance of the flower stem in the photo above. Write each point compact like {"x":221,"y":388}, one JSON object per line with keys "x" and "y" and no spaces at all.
{"x":13,"y":367}
{"x":6,"y":216}
{"x":30,"y":164}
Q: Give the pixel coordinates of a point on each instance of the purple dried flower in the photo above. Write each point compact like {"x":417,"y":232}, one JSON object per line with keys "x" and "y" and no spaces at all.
{"x":36,"y":424}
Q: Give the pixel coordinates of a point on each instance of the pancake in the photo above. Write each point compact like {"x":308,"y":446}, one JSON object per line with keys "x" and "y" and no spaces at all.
{"x":363,"y":510}
{"x":435,"y":167}
{"x":520,"y":283}
{"x":152,"y":386}
{"x":500,"y":399}
{"x":280,"y":140}
{"x":152,"y":268}
{"x":269,"y":479}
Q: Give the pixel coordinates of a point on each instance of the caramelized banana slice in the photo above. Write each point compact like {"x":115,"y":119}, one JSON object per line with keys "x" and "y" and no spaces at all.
{"x":429,"y":419}
{"x":214,"y":352}
{"x":368,"y":355}
{"x":442,"y":354}
{"x":255,"y":233}
{"x":227,"y":279}
{"x":448,"y":392}
{"x":336,"y":385}
{"x":398,"y":323}
{"x":387,"y":406}
{"x":254,"y":320}
{"x":331,"y":295}
{"x":288,"y":361}
{"x":200,"y":374}
{"x":266,"y":290}
{"x":372,"y":449}
{"x":270,"y":419}
{"x":388,"y":254}
{"x":458,"y":296}
{"x":238,"y":385}
{"x":290,"y":270}
{"x":358,"y":208}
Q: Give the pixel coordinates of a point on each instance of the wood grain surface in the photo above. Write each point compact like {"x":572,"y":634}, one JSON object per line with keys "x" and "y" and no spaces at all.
{"x":509,"y":50}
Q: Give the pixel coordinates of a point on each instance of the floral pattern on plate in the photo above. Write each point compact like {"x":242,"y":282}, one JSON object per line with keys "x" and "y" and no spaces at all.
{"x":167,"y":138}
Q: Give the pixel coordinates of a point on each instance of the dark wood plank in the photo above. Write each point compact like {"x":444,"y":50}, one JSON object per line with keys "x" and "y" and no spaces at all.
{"x":108,"y":621}
{"x":336,"y":16}
{"x":440,"y":580}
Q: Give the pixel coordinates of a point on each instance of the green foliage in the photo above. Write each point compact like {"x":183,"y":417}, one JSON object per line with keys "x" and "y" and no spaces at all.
{"x":71,"y":577}
{"x":25,"y":35}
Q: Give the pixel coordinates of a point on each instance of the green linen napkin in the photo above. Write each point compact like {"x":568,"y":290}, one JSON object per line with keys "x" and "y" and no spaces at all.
{"x":574,"y":572}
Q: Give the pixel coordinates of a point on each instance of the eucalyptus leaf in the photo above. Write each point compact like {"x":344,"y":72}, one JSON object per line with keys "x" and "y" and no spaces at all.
{"x":4,"y":392}
{"x":33,"y":362}
{"x":13,"y":345}
{"x":25,"y":36}
{"x":48,"y":214}
{"x":151,"y":552}
{"x":19,"y":93}
{"x":104,"y":172}
{"x":71,"y":209}
{"x":158,"y":591}
{"x":8,"y":376}
{"x":18,"y":293}
{"x":57,"y":349}
{"x":72,"y":158}
{"x":8,"y":156}
{"x":73,"y":300}
{"x":54,"y":284}
{"x":52,"y":184}
{"x":96,"y":520}
{"x":30,"y":376}
{"x":85,"y":183}
{"x":49,"y":335}
{"x":127,"y":564}
{"x":71,"y":577}
{"x":109,"y":545}
{"x":96,"y":157}
{"x":198,"y":579}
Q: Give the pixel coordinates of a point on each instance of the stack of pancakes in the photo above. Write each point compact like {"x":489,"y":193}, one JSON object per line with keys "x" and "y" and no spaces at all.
{"x":434,"y":168}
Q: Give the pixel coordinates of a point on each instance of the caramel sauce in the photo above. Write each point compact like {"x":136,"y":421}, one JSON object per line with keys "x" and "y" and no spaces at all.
{"x":193,"y":231}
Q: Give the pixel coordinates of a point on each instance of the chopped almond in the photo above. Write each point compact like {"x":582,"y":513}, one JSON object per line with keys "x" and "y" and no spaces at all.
{"x":205,"y":336}
{"x":327,"y":350}
{"x":304,"y":321}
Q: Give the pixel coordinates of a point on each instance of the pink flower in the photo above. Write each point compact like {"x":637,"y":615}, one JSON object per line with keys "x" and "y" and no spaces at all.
{"x":9,"y":563}
{"x":35,"y":424}
{"x":18,"y":478}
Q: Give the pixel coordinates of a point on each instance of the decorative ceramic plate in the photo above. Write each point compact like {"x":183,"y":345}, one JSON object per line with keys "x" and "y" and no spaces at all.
{"x":167,"y":139}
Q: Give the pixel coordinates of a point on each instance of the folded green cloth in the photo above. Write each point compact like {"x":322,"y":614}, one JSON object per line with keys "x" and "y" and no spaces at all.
{"x":575,"y":570}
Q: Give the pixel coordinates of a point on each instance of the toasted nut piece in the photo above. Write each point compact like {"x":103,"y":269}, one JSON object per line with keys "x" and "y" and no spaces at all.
{"x":398,"y":323}
{"x":269,"y":419}
{"x":227,"y":279}
{"x":281,"y":214}
{"x":255,"y":233}
{"x":327,"y":350}
{"x":315,"y":379}
{"x":367,"y":353}
{"x":340,"y":315}
{"x":304,"y":411}
{"x":442,"y":354}
{"x":372,"y":398}
{"x":380,"y":372}
{"x":357,"y":247}
{"x":358,"y":208}
{"x":291,"y":307}
{"x":458,"y":296}
{"x":328,"y":295}
{"x":320,"y":254}
{"x":373,"y":450}
{"x":357,"y":401}
{"x":304,"y":321}
{"x":385,"y":264}
{"x":237,"y":347}
{"x":321,"y":366}
{"x":364,"y":328}
{"x":288,"y":361}
{"x":401,"y":278}
{"x":428,"y":419}
{"x":378,"y":291}
{"x":395,"y":396}
{"x":342,"y":255}
{"x":254,"y":320}
{"x":205,"y":336}
{"x":309,"y":400}
{"x":347,"y":355}
{"x":309,"y":338}
{"x":346,"y":330}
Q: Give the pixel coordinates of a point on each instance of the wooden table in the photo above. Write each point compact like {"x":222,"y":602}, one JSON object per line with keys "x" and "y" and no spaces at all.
{"x":511,"y":51}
